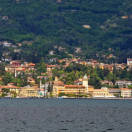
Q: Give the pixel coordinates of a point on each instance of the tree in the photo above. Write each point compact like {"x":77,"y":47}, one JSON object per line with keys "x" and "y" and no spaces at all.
{"x":21,"y":80}
{"x":13,"y":94}
{"x":95,"y":81}
{"x":109,"y":76}
{"x":41,"y":67}
{"x":130,"y":86}
{"x":5,"y":92}
{"x":2,"y":69}
{"x":7,"y":78}
{"x":114,"y":75}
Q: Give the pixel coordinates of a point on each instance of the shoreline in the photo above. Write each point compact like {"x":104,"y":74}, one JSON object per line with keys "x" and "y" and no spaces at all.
{"x":94,"y":98}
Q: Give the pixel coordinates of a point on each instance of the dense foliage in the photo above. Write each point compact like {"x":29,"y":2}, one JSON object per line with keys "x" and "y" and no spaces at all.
{"x":41,"y":24}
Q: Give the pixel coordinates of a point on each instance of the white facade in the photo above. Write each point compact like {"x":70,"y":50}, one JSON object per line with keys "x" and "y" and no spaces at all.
{"x":126,"y":93}
{"x":129,"y":62}
{"x":85,"y":82}
{"x":123,"y":83}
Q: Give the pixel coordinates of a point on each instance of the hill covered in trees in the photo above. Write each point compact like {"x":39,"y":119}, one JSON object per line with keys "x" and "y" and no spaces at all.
{"x":88,"y":28}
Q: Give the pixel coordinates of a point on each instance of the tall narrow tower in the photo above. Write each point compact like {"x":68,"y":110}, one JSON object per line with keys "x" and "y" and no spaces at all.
{"x":85,"y":82}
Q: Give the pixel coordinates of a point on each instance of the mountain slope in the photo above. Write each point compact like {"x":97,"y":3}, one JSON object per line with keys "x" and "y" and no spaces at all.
{"x":99,"y":28}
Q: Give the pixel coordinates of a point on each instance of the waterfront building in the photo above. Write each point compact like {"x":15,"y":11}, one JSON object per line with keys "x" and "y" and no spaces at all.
{"x":57,"y":87}
{"x":73,"y":90}
{"x":29,"y":91}
{"x":103,"y":92}
{"x":60,"y":88}
{"x":13,"y":90}
{"x":115,"y":91}
{"x":126,"y":92}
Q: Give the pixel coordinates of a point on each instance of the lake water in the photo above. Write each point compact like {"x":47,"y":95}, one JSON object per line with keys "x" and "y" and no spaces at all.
{"x":65,"y":115}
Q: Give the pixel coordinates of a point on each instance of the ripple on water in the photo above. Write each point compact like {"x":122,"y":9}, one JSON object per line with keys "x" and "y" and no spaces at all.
{"x":71,"y":115}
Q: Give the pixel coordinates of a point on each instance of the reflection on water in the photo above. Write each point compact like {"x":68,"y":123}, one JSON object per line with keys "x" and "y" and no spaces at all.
{"x":65,"y":115}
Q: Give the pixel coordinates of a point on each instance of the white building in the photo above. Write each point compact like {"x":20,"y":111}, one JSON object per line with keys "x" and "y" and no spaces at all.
{"x":123,"y":83}
{"x":126,"y":92}
{"x":85,"y":82}
{"x":129,"y":62}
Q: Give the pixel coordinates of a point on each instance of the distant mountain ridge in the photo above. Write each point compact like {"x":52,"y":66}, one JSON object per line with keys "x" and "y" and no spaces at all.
{"x":100,"y":29}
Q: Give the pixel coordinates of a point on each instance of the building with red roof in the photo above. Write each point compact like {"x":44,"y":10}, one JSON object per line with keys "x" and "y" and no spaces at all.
{"x":60,"y":88}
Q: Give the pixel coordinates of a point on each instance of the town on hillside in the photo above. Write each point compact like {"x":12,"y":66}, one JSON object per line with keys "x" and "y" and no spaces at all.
{"x":67,"y":78}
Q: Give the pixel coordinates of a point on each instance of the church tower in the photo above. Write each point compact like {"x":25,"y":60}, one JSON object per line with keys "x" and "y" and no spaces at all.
{"x":85,"y":82}
{"x":56,"y":79}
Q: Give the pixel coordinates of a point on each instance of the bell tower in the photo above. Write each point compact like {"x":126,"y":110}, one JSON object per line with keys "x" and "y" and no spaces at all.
{"x":85,"y":82}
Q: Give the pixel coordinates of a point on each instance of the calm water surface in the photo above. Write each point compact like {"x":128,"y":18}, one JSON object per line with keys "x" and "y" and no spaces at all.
{"x":65,"y":115}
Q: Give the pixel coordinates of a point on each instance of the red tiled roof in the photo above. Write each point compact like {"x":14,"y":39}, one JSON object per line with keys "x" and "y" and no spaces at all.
{"x":74,"y":86}
{"x":10,"y":86}
{"x":31,"y":64}
{"x":59,"y":83}
{"x":129,"y":59}
{"x":125,"y":89}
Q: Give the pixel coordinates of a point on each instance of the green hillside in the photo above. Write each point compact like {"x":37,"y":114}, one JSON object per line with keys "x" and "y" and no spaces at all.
{"x":99,"y":28}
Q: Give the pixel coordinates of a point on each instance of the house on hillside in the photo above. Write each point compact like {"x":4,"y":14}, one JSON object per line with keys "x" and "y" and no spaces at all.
{"x":129,"y":62}
{"x":16,"y":67}
{"x":123,"y":83}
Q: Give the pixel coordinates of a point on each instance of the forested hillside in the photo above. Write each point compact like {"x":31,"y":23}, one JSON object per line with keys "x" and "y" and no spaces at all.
{"x":97,"y":28}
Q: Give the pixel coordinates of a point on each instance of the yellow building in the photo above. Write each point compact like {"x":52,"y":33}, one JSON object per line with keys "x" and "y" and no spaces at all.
{"x":60,"y":88}
{"x":57,"y":86}
{"x":103,"y":92}
{"x":13,"y":90}
{"x":84,"y":89}
{"x":29,"y":91}
{"x":73,"y":90}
